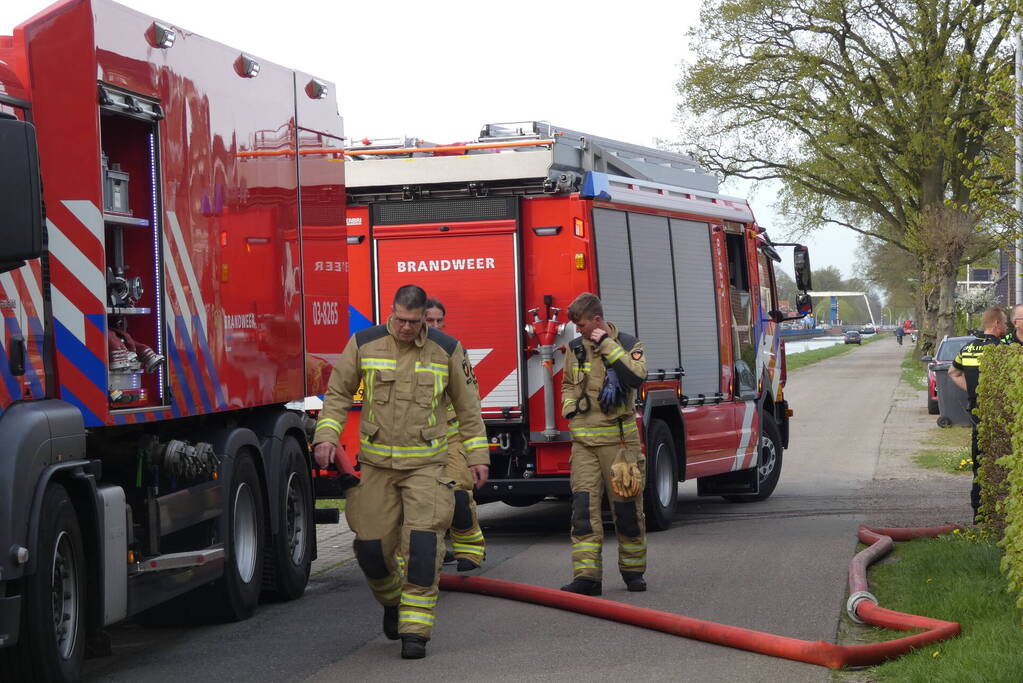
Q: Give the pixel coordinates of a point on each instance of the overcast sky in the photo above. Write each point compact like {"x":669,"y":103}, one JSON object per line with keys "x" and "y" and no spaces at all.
{"x":438,"y":70}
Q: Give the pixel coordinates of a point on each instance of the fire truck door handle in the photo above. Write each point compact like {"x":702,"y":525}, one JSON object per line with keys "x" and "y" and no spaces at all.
{"x":16,"y":355}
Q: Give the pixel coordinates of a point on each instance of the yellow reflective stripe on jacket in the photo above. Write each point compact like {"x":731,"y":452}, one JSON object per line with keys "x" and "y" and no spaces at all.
{"x":404,"y":451}
{"x":617,"y":353}
{"x":568,"y":401}
{"x":475,"y":443}
{"x":378,"y":364}
{"x":435,"y":368}
{"x":452,"y":430}
{"x":627,"y":428}
{"x":327,"y":423}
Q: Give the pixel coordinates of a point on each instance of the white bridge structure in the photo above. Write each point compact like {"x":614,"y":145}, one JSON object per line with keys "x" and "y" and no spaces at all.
{"x":834,"y":303}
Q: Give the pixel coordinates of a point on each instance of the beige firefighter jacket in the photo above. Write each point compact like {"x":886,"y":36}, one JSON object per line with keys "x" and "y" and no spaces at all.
{"x":408,"y":387}
{"x":585,"y":370}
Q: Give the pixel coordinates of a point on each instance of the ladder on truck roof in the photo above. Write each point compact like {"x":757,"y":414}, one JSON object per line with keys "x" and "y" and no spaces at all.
{"x":520,"y":158}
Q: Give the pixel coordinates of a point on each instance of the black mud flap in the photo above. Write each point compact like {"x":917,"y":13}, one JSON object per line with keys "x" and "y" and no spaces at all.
{"x":740,"y":483}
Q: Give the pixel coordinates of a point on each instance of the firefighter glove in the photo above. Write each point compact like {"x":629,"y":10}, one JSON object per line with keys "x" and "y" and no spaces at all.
{"x":612,"y":393}
{"x":626,"y":481}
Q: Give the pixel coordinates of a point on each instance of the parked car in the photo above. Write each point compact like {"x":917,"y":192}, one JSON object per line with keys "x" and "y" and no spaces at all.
{"x":853,"y":337}
{"x":867,"y":329}
{"x":948,"y":349}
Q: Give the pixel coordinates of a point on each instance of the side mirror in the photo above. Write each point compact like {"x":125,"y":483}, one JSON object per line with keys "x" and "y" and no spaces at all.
{"x":801,"y":267}
{"x":804,"y":304}
{"x":21,"y":204}
{"x":927,"y":359}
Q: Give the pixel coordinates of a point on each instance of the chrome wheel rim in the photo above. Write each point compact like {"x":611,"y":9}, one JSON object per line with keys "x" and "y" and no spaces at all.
{"x":768,"y":458}
{"x":245,"y":541}
{"x":296,"y":519}
{"x":663,"y":474}
{"x":65,"y":593}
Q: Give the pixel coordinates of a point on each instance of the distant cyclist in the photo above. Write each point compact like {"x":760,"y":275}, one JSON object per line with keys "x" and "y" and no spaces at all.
{"x":899,"y":334}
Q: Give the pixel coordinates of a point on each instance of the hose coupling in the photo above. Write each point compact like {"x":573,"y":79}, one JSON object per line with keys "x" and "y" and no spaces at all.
{"x":854,"y":601}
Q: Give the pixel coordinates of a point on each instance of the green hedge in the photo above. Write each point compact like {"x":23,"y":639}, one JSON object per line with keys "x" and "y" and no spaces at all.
{"x":1000,"y":409}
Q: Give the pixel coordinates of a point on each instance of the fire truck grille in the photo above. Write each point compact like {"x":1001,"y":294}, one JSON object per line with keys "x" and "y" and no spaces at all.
{"x":449,"y":210}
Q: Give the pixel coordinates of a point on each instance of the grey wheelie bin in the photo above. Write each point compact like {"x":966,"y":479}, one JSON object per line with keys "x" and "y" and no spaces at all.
{"x":953,"y":403}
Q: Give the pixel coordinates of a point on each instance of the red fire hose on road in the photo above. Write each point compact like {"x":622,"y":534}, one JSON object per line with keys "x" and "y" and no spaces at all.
{"x":862,"y":607}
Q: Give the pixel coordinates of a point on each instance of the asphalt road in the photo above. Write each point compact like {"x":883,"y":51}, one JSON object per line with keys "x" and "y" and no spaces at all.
{"x":777,"y":566}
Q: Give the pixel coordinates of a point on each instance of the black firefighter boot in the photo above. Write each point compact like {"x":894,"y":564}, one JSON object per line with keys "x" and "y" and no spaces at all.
{"x":583,"y":586}
{"x":634,"y":581}
{"x":413,"y":647}
{"x":391,"y":622}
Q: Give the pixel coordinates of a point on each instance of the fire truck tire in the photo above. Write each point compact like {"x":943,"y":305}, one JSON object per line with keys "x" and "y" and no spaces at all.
{"x":52,"y":639}
{"x":660,"y":494}
{"x":291,"y":552}
{"x":768,"y":464}
{"x":235,"y":595}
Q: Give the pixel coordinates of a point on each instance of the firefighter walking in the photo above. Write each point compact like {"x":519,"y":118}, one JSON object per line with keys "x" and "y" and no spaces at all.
{"x":404,"y":501}
{"x":603,"y":369}
{"x":468,"y":545}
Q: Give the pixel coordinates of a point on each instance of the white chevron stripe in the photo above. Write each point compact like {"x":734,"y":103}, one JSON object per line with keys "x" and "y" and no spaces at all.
{"x":75,"y":261}
{"x":186,"y":265}
{"x":179,"y":293}
{"x":28,"y":274}
{"x":747,"y":432}
{"x":11,"y":292}
{"x":86,"y":212}
{"x":68,"y":315}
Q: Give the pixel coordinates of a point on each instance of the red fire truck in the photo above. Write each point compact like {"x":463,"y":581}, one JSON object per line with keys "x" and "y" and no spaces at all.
{"x":156,"y":324}
{"x":506,"y":231}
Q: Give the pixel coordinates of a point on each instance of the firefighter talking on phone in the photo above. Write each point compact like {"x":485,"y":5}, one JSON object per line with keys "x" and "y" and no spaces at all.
{"x":603,"y":369}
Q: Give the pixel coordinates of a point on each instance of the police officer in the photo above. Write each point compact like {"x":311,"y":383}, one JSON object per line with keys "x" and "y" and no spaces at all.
{"x":466,"y":534}
{"x":965,"y":372}
{"x":603,"y":368}
{"x":404,"y":502}
{"x":1016,"y":335}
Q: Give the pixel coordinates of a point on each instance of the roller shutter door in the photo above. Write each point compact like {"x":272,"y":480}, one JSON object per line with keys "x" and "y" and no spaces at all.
{"x":697,"y":309}
{"x":655,"y":290}
{"x":614,"y":268}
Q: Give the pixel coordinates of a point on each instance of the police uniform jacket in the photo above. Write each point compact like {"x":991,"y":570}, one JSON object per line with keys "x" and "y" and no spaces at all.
{"x":585,"y":369}
{"x":408,"y":387}
{"x":968,"y":362}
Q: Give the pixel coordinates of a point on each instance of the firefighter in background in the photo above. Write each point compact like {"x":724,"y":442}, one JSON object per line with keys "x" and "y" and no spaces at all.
{"x":965,"y":372}
{"x":466,"y":534}
{"x":603,"y":369}
{"x":404,"y":501}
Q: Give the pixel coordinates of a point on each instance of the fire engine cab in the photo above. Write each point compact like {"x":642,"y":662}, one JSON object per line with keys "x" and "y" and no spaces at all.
{"x":507,"y":230}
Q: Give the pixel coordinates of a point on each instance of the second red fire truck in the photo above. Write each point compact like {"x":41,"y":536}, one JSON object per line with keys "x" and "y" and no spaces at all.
{"x":507,"y":230}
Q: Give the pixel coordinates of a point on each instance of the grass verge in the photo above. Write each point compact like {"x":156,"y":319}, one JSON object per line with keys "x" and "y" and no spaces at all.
{"x":947,"y":450}
{"x":914,"y":372}
{"x":338,"y":503}
{"x":955,"y":578}
{"x":794,"y":361}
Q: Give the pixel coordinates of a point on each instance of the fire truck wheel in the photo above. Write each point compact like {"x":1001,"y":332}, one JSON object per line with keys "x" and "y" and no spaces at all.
{"x":52,"y":640}
{"x":236,"y":594}
{"x":769,"y":464}
{"x":661,"y":491}
{"x":291,"y":554}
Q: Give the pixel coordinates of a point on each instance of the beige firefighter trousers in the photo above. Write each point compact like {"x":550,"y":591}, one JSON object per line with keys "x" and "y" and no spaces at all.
{"x":591,"y":476}
{"x":399,"y":518}
{"x":466,"y":535}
